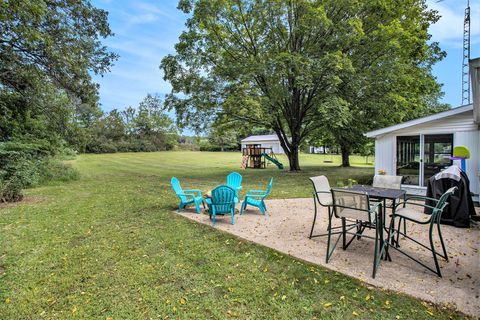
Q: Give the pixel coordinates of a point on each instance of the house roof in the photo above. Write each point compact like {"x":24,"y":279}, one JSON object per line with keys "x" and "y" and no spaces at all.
{"x":266,"y":137}
{"x":411,"y":123}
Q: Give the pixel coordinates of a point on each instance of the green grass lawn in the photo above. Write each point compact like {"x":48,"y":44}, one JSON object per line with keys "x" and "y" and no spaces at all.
{"x":109,"y":246}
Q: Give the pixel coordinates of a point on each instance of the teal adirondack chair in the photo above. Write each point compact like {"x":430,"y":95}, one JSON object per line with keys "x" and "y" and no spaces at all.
{"x":256,"y":198}
{"x":222,"y":202}
{"x":234,"y":181}
{"x":192,"y":196}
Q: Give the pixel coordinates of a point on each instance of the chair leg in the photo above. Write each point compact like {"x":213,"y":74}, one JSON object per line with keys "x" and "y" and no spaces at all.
{"x":314,"y":217}
{"x":375,"y":255}
{"x":242,"y":207}
{"x":404,"y":226}
{"x":233,"y":215}
{"x":390,"y":237}
{"x":398,"y":232}
{"x":432,"y":245}
{"x":203,"y":204}
{"x":212,"y":215}
{"x":344,"y":234}
{"x":197,"y":205}
{"x":328,"y":238}
{"x":443,"y":244}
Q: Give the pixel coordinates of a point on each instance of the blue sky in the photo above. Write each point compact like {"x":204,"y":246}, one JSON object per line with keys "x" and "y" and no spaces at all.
{"x":145,"y":31}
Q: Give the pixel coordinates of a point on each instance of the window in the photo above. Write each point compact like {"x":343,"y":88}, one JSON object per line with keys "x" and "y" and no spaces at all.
{"x":422,"y":156}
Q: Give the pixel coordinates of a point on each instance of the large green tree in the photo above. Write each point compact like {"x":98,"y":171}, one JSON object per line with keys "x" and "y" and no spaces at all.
{"x":390,"y":78}
{"x":281,"y":63}
{"x":48,"y":52}
{"x":266,"y":63}
{"x":56,"y":41}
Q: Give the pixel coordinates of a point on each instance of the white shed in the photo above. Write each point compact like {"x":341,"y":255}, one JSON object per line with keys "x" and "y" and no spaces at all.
{"x":420,"y":148}
{"x":264,"y":141}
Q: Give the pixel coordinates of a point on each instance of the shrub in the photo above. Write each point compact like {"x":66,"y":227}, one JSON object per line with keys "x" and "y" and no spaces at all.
{"x":26,"y":165}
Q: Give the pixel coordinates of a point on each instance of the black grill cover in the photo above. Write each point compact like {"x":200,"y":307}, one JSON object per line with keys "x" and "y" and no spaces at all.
{"x":460,"y":205}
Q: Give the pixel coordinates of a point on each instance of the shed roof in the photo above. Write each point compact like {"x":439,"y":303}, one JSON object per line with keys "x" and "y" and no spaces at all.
{"x":266,"y":137}
{"x":411,"y":123}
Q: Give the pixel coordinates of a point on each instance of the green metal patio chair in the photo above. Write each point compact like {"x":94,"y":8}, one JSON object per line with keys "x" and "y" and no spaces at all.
{"x":256,"y":198}
{"x":187,"y":197}
{"x":234,"y":181}
{"x":355,"y":207}
{"x":389,"y":182}
{"x":323,"y":195}
{"x":222,"y":202}
{"x":409,"y":213}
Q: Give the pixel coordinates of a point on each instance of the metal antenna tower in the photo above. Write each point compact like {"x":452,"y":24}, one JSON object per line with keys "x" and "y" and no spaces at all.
{"x":466,"y":57}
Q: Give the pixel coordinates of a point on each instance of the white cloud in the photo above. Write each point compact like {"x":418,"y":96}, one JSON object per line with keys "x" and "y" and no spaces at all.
{"x":449,"y":29}
{"x":141,"y":18}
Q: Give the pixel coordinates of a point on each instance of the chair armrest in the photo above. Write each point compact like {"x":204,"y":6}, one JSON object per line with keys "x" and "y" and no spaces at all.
{"x":420,"y":198}
{"x":256,"y":191}
{"x":374,"y":206}
{"x":255,"y":196}
{"x":194,"y":191}
{"x":239,"y":187}
{"x":414,"y":204}
{"x":186,"y":194}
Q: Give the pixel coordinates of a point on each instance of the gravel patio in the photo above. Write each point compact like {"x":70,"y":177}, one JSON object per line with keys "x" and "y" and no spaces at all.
{"x":286,"y":227}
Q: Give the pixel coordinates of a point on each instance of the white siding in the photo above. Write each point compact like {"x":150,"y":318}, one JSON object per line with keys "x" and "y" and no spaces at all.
{"x":385,"y":148}
{"x":471,"y":139}
{"x":275,"y":145}
{"x":385,"y":158}
{"x":456,"y":123}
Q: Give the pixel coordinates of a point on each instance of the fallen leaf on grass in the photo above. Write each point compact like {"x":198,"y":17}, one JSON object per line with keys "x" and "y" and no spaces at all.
{"x":354,"y":314}
{"x":327,"y":305}
{"x":284,"y":297}
{"x":183,"y":301}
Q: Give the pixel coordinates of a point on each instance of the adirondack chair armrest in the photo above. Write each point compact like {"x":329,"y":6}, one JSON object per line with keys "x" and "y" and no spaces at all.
{"x":255,"y":196}
{"x":256,"y":191}
{"x":186,"y":194}
{"x":197,"y":191}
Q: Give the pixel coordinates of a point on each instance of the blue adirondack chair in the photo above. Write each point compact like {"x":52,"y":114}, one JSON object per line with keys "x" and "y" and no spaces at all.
{"x":192,"y":196}
{"x":256,"y":198}
{"x":234,"y":181}
{"x":222,"y":202}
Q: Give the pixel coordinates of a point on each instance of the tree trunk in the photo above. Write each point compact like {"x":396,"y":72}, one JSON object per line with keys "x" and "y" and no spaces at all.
{"x":293,"y":159}
{"x":345,"y":156}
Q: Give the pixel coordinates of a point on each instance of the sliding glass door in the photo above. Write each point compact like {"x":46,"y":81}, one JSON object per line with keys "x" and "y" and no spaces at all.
{"x":437,"y":151}
{"x":421,"y":156}
{"x":408,"y":159}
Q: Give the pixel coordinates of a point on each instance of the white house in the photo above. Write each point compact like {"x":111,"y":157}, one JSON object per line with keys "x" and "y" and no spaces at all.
{"x":422,"y":147}
{"x":264,"y":141}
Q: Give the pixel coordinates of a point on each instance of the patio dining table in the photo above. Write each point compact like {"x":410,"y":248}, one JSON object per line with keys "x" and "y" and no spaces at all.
{"x":381,"y":195}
